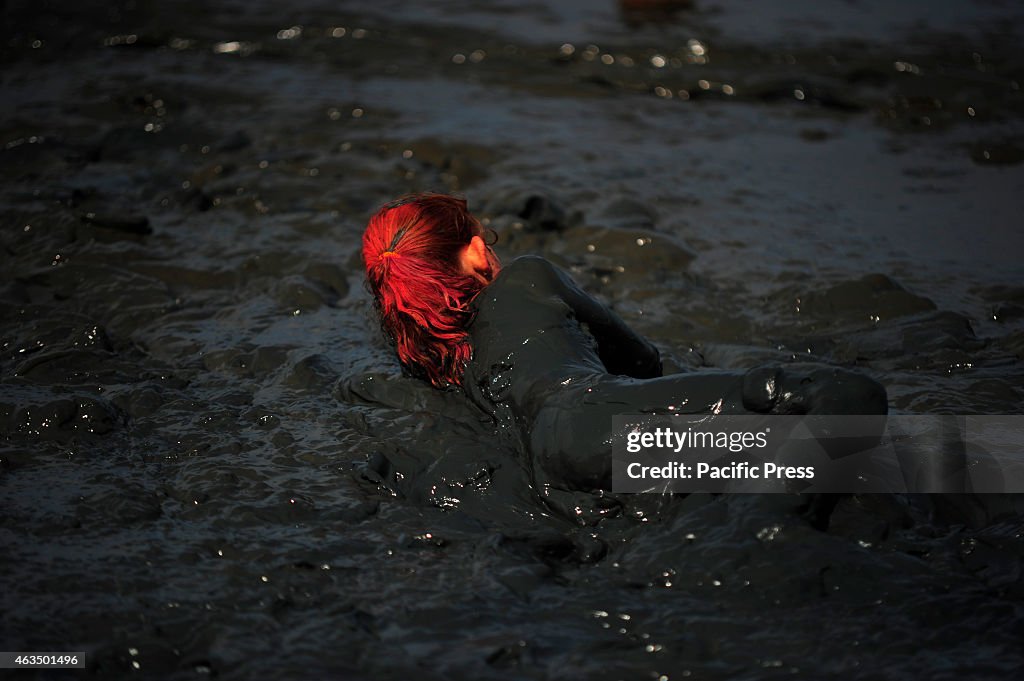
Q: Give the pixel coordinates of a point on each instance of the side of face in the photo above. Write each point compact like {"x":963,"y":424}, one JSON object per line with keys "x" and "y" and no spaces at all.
{"x":477,"y":260}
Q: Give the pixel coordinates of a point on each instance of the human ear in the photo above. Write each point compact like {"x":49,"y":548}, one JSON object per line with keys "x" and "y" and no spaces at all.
{"x":474,"y":256}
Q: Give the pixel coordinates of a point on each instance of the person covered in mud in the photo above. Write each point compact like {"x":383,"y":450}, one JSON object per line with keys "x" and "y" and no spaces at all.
{"x":543,"y":357}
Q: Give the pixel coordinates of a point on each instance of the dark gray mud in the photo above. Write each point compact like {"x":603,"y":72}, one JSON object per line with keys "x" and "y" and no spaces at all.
{"x":195,"y":480}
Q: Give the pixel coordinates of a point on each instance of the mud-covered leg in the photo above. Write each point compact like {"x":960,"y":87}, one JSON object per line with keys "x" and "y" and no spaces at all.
{"x":809,"y":389}
{"x":814,"y":390}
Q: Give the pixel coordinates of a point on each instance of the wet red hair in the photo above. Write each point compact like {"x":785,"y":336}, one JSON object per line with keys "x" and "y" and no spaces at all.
{"x":410,"y":251}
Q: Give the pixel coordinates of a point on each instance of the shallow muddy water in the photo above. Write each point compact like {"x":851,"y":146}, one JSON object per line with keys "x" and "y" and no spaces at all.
{"x":193,"y":482}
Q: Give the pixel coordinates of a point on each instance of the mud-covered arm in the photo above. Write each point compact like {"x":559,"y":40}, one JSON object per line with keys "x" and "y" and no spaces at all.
{"x":622,"y":350}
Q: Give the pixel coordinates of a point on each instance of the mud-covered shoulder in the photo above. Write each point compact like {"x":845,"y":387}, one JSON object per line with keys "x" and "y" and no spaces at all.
{"x":532,"y":272}
{"x":531,"y":266}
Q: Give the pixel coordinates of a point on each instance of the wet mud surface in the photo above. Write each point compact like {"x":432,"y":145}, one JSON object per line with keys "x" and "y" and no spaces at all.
{"x":211,"y":467}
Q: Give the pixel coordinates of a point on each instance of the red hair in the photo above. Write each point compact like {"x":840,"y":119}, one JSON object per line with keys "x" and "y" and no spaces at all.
{"x":410,"y":251}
